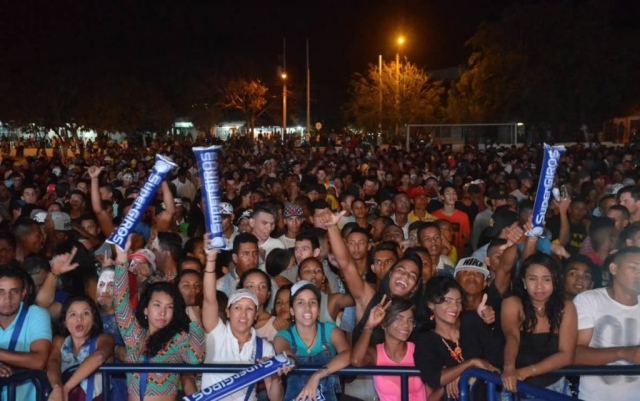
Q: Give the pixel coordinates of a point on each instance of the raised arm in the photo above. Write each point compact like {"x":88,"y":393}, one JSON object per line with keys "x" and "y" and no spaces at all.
{"x":362,"y":354}
{"x":128,"y":325}
{"x":165,"y":220}
{"x":105,"y":222}
{"x":508,"y":259}
{"x":356,"y":285}
{"x":210,"y":316}
{"x":45,"y":298}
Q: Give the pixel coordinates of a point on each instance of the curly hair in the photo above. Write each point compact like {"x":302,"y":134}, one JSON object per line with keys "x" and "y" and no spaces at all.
{"x":554,"y":307}
{"x":179,"y":322}
{"x":96,"y":327}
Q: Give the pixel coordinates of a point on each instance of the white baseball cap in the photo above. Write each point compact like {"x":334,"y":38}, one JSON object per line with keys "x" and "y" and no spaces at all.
{"x":242,"y":294}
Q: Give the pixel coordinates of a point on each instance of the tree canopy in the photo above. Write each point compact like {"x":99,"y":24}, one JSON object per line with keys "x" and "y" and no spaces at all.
{"x":420,"y":99}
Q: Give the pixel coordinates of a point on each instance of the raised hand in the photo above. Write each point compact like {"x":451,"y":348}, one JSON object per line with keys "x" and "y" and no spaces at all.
{"x":209,"y":250}
{"x":62,"y":263}
{"x":514,"y":234}
{"x":378,"y":312}
{"x":94,"y":172}
{"x":327,"y":219}
{"x":487,"y":313}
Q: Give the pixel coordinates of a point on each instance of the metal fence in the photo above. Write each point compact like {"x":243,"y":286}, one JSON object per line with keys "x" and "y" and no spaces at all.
{"x":493,"y":380}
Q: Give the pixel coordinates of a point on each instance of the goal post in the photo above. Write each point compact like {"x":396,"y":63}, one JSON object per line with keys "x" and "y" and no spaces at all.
{"x":464,"y":134}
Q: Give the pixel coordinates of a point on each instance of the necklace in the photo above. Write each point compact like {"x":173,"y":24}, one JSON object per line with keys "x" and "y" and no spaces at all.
{"x":456,"y":353}
{"x":539,"y":310}
{"x":313,"y":342}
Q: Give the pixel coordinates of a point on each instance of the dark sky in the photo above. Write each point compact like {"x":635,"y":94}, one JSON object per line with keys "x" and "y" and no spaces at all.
{"x":171,"y":40}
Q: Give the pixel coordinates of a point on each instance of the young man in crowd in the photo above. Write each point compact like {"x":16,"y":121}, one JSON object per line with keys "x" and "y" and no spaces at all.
{"x":608,"y":322}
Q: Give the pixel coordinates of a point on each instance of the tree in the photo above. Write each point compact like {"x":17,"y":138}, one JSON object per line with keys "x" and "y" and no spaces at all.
{"x":247,"y":96}
{"x":420,"y":99}
{"x":559,"y":63}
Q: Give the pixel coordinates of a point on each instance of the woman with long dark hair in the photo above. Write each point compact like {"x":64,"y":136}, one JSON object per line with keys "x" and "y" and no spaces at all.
{"x":398,"y":321}
{"x":458,"y":341}
{"x":540,"y":326}
{"x":313,"y":344}
{"x":82,"y":344}
{"x":163,"y":330}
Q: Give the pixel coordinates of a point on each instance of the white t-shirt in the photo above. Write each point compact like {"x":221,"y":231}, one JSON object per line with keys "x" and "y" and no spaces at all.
{"x":222,"y":347}
{"x":614,"y":325}
{"x":288,"y":242}
{"x":269,"y":245}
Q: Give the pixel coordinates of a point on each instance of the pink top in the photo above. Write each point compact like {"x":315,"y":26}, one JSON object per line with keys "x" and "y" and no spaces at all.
{"x":388,"y":387}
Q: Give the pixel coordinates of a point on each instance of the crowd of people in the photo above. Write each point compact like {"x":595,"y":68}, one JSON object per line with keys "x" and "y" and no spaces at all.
{"x":345,"y":256}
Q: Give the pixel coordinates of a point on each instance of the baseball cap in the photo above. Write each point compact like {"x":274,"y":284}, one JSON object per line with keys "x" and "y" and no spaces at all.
{"x":305,"y":285}
{"x":502,"y":218}
{"x":225,"y":209}
{"x":245,"y":215}
{"x":38,"y":215}
{"x":416,"y":192}
{"x":61,"y":221}
{"x":242,"y":294}
{"x":471,"y":264}
{"x":51,"y":188}
{"x":498,"y":193}
{"x":292,"y":210}
{"x":145,"y":255}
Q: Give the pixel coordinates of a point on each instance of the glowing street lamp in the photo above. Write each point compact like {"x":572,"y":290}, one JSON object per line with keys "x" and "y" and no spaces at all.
{"x":400,"y":42}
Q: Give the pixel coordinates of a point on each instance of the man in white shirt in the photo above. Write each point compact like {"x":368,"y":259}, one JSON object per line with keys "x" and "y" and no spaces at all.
{"x":184,"y":187}
{"x":263,"y":222}
{"x":526,"y":183}
{"x":293,"y":218}
{"x":229,"y":231}
{"x":609,"y":329}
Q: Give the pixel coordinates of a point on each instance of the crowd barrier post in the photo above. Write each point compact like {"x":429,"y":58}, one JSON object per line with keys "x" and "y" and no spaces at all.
{"x":493,"y":380}
{"x":37,"y":377}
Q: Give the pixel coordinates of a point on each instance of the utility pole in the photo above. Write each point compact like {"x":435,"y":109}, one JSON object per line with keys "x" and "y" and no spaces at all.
{"x":308,"y":91}
{"x":284,"y":88}
{"x":379,"y":95}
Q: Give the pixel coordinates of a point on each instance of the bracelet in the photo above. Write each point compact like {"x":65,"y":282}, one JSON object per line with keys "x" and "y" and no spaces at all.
{"x":534,"y":370}
{"x":326,"y":371}
{"x":367,"y":328}
{"x":207,"y":271}
{"x":211,"y":261}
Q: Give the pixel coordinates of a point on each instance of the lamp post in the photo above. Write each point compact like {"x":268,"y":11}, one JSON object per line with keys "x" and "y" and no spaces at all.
{"x":284,"y":104}
{"x":400,"y":42}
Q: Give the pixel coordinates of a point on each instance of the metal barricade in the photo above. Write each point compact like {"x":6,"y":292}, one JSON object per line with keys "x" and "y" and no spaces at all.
{"x":111,"y":369}
{"x":37,"y":377}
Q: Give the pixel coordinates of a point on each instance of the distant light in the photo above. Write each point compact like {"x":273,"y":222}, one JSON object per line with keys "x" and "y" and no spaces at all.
{"x":400,"y":40}
{"x":284,"y":75}
{"x":520,"y":124}
{"x":182,"y":124}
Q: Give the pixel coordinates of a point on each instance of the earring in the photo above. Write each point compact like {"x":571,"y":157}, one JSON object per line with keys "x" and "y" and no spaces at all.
{"x":432,"y":317}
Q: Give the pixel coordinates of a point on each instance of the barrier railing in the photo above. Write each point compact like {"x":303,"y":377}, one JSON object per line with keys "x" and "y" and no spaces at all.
{"x":494,"y":380}
{"x":111,"y":369}
{"x":38,"y":378}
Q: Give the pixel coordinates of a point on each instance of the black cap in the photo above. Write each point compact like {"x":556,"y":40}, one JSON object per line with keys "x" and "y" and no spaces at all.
{"x":502,"y":218}
{"x":498,"y":193}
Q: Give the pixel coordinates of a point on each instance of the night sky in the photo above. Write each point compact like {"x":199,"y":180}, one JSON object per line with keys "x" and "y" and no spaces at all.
{"x":175,"y":41}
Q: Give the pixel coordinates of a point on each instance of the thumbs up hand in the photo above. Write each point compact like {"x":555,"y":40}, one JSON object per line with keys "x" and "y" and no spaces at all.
{"x":487,"y":313}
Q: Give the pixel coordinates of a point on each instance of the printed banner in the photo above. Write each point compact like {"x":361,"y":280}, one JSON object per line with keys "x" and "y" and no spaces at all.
{"x":241,"y":380}
{"x":148,"y":191}
{"x":550,"y":162}
{"x":207,"y":159}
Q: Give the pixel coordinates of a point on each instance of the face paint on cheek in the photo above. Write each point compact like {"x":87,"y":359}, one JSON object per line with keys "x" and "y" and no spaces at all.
{"x":106,"y":278}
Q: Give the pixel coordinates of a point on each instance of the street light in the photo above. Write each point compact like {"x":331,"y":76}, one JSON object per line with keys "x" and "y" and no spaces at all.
{"x":400,"y":42}
{"x":284,"y":104}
